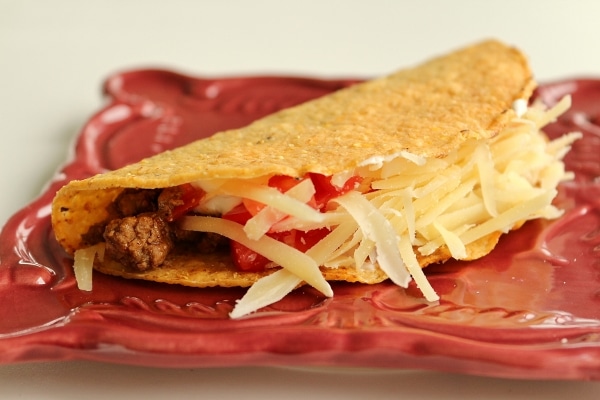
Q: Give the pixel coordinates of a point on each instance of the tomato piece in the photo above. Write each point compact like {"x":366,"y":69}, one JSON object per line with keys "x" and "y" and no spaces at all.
{"x":190,"y":197}
{"x":239,"y":214}
{"x":351,"y":184}
{"x":246,"y":259}
{"x":253,"y":207}
{"x":325,"y":190}
{"x":283,"y":183}
{"x":305,"y":240}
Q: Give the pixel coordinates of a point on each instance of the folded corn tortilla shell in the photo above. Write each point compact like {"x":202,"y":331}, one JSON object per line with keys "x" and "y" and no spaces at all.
{"x":429,"y":111}
{"x":212,"y":270}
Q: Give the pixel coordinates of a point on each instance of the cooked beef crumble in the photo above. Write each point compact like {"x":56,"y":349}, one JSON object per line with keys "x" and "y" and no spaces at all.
{"x":139,"y":242}
{"x":168,"y":200}
{"x":128,"y":203}
{"x":136,"y":201}
{"x":94,"y":235}
{"x":139,"y":234}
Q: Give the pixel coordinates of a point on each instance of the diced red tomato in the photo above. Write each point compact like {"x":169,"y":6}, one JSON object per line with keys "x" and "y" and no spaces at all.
{"x":239,"y":214}
{"x":248,"y":260}
{"x":252,"y":207}
{"x":191,"y":197}
{"x":283,"y":183}
{"x":325,"y":190}
{"x":305,"y":240}
{"x":244,"y":258}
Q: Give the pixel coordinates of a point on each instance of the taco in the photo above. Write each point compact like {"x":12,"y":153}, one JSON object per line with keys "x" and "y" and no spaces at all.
{"x":372,"y":182}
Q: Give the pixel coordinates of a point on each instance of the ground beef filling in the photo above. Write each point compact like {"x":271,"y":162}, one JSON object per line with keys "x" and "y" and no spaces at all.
{"x":140,"y":234}
{"x":141,"y":242}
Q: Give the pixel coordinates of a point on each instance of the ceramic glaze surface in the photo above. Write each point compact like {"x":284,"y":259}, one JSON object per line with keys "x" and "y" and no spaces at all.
{"x":530,"y":309}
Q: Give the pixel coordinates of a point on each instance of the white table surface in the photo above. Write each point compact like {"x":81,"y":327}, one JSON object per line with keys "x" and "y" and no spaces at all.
{"x":55,"y":54}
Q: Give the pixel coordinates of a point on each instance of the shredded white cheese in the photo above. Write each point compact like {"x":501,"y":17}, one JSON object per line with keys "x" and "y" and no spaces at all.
{"x":83,"y":265}
{"x":414,"y":268}
{"x":418,"y":205}
{"x":378,"y":229}
{"x":265,"y":291}
{"x":262,"y":222}
{"x":287,"y":257}
{"x":271,"y":197}
{"x":520,"y":107}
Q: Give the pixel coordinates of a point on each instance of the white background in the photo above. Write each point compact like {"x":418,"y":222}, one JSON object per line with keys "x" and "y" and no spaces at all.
{"x":54,"y":56}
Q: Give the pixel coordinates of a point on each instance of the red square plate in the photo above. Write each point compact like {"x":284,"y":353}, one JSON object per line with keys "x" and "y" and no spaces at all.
{"x":531,"y":309}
